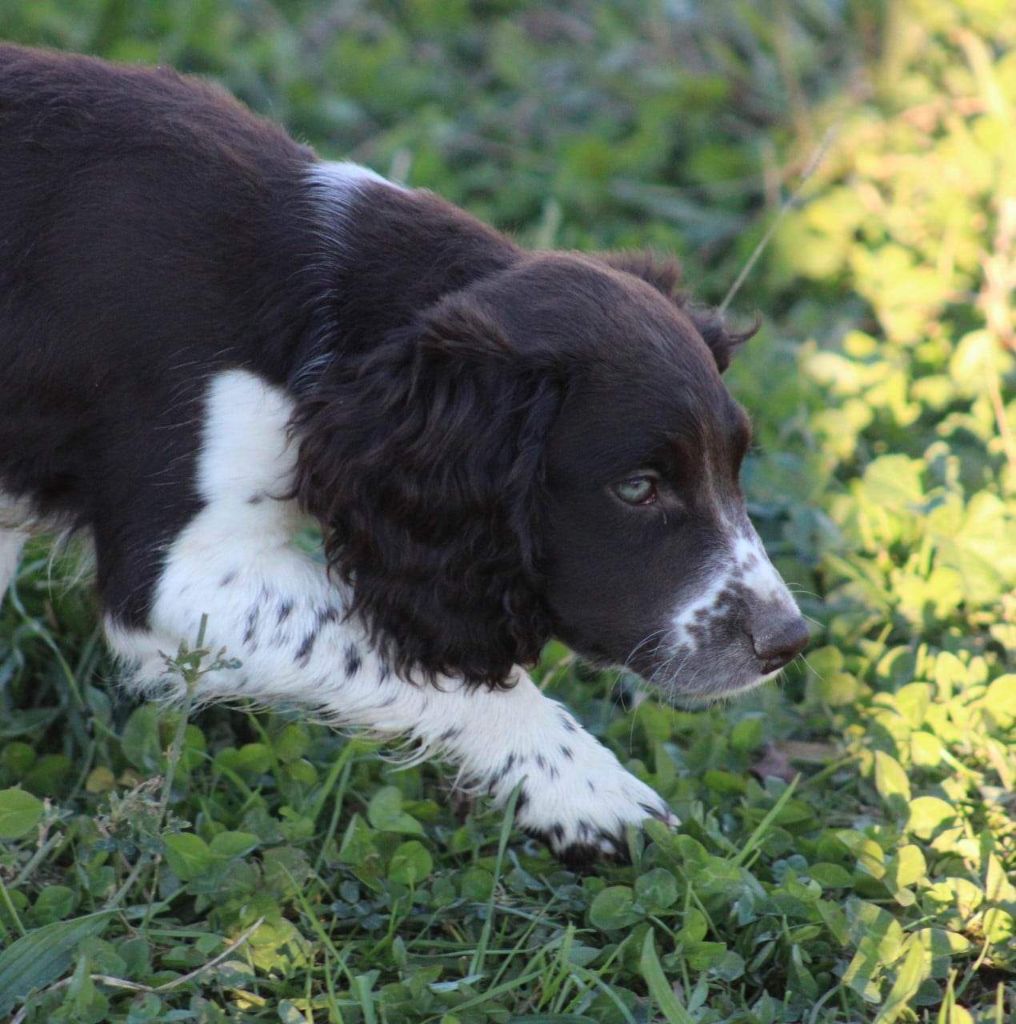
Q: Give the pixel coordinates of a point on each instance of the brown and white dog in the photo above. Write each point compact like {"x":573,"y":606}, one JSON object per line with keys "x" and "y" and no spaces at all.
{"x":207,"y":334}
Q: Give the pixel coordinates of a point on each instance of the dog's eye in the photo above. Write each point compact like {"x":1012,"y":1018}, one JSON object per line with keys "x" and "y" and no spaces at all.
{"x":637,"y":490}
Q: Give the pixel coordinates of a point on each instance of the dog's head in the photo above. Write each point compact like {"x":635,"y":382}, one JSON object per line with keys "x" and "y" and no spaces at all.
{"x":550,"y":451}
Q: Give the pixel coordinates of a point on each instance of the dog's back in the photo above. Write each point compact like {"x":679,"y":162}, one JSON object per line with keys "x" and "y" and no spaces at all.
{"x":143,"y":227}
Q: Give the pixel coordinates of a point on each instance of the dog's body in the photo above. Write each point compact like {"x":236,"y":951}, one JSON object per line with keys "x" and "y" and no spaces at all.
{"x":207,"y":334}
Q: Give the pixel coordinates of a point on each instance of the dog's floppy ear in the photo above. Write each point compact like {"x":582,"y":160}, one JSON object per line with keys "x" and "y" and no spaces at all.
{"x":664,"y":274}
{"x":422,"y":459}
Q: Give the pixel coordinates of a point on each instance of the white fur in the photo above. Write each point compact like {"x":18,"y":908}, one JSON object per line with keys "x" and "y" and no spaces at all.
{"x":15,"y":519}
{"x":685,"y":616}
{"x":272,"y":607}
{"x":756,"y":572}
{"x":331,"y":187}
{"x":745,"y":563}
{"x":338,"y":175}
{"x":11,"y":542}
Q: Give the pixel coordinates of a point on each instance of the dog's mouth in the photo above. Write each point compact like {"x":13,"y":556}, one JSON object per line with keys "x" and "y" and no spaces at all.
{"x":721,"y":656}
{"x":722,"y":662}
{"x":702,"y":676}
{"x":728,"y":689}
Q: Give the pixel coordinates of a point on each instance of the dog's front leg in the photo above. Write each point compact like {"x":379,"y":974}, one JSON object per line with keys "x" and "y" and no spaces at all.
{"x":283,"y":622}
{"x":573,"y":791}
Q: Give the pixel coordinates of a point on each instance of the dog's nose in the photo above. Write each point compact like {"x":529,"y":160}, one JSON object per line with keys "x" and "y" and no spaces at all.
{"x":778,"y":643}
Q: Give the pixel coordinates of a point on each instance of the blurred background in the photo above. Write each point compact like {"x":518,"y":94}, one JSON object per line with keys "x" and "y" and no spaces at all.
{"x":869,"y":147}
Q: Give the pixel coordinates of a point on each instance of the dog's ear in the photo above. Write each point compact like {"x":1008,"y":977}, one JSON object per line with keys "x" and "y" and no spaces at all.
{"x":722,"y":341}
{"x":664,"y":274}
{"x":423,"y":460}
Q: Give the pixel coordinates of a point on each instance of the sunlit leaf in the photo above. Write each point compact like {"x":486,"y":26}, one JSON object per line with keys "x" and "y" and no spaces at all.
{"x":20,"y":812}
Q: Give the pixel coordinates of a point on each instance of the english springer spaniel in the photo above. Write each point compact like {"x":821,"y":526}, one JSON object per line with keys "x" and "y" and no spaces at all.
{"x":209,"y":335}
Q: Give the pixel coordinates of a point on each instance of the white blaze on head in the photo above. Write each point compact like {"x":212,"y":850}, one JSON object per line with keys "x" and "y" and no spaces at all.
{"x":754,"y":570}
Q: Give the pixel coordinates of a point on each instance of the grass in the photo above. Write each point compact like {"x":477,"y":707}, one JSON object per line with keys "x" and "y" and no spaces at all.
{"x":848,"y":846}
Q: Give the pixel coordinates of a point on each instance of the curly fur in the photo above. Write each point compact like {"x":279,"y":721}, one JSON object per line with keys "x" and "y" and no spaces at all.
{"x":423,"y":458}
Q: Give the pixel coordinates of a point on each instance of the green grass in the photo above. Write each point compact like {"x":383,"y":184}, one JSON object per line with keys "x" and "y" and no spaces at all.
{"x":848,"y":847}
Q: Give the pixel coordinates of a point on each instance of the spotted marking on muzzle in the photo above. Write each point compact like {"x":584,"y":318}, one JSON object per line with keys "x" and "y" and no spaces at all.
{"x":744,"y":583}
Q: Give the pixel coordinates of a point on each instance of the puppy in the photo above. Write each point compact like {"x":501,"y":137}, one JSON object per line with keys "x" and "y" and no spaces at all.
{"x":208,"y":335}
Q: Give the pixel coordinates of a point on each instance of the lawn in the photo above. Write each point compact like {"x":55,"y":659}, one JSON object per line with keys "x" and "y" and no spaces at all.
{"x":847,"y":850}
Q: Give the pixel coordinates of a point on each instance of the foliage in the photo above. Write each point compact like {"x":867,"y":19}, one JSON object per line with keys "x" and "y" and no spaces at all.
{"x":228,"y":866}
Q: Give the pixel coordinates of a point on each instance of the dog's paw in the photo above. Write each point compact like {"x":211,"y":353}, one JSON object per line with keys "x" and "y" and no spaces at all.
{"x":580,"y":800}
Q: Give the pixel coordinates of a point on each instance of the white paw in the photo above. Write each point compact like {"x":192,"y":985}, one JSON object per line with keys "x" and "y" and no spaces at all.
{"x":577,"y":797}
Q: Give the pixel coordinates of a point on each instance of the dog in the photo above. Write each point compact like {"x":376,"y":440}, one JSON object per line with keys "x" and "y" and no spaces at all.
{"x":210,"y":337}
